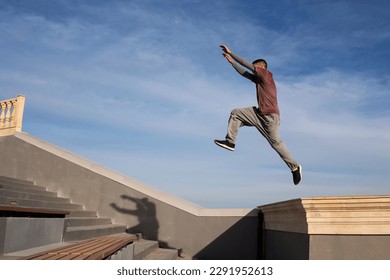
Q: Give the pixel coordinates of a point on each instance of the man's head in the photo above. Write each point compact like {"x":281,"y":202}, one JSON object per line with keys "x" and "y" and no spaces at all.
{"x":260,"y":63}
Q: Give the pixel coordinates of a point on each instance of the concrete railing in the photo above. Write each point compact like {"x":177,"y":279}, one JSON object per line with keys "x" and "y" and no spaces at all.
{"x":11,"y":115}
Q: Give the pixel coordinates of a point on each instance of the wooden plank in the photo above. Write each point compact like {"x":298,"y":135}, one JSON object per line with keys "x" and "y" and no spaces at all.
{"x":110,"y":248}
{"x":93,"y":249}
{"x":72,"y":251}
{"x":79,"y":247}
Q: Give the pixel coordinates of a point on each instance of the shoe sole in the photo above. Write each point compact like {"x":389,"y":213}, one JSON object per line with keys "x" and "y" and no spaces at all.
{"x":300,"y":174}
{"x":224,"y":146}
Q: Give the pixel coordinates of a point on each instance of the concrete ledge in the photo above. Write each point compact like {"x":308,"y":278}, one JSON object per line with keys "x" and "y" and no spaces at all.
{"x":369,"y":215}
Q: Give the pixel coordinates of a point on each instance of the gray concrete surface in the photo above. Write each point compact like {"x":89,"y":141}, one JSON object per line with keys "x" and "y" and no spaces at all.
{"x":18,"y":234}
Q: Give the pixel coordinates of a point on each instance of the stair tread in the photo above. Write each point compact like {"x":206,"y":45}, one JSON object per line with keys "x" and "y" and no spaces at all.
{"x":16,"y":182}
{"x":86,"y":232}
{"x":87,"y":218}
{"x":87,"y":221}
{"x":6,"y":178}
{"x":40,"y":204}
{"x":143,"y":247}
{"x":28,"y":190}
{"x":41,"y":207}
{"x":142,"y":244}
{"x":31,"y":196}
{"x":82,"y":214}
{"x":162,"y":254}
{"x":26,"y":185}
{"x":93,"y":227}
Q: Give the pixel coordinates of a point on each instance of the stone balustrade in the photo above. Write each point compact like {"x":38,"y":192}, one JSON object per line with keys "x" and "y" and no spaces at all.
{"x":11,"y":115}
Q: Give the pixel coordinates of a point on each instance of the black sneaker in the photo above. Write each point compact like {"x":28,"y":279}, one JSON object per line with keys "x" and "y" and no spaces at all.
{"x":225,"y":144}
{"x":297,"y":175}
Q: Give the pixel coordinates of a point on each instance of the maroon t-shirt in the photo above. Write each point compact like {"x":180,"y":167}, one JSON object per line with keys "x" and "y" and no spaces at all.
{"x":265,"y":85}
{"x":266,"y":92}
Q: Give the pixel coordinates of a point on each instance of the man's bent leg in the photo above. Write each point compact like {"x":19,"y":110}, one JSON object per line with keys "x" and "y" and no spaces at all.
{"x":238,"y":118}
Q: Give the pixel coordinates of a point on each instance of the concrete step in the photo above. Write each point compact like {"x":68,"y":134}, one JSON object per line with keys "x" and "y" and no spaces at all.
{"x":15,"y":180}
{"x":150,"y":250}
{"x":82,"y":214}
{"x":143,"y":247}
{"x":163,"y":254}
{"x":31,"y":190}
{"x":87,"y":221}
{"x":86,"y":232}
{"x":20,"y":183}
{"x":40,"y":204}
{"x":31,"y":196}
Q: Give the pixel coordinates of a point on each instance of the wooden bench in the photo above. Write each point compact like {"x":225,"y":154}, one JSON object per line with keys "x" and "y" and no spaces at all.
{"x":93,"y":249}
{"x":18,"y":211}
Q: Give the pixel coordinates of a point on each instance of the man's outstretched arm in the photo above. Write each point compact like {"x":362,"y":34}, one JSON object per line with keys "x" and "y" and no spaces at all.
{"x":237,"y":58}
{"x":231,"y":58}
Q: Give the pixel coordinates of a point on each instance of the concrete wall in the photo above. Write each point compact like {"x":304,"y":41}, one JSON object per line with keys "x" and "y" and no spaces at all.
{"x":197,"y":231}
{"x":326,"y":228}
{"x":350,"y":247}
{"x":279,"y":245}
{"x":18,"y":234}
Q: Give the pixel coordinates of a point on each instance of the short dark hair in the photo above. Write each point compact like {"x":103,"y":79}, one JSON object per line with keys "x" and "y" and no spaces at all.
{"x":261,"y":60}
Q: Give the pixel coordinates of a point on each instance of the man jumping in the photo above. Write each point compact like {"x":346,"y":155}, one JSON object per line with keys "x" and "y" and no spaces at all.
{"x":266,"y":118}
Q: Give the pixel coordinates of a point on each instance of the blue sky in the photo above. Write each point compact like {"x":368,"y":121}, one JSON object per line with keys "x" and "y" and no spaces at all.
{"x":141,"y":88}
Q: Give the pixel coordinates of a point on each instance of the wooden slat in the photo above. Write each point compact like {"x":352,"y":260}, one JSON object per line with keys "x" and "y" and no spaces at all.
{"x":114,"y":246}
{"x":86,"y":250}
{"x":71,"y":251}
{"x":93,"y":249}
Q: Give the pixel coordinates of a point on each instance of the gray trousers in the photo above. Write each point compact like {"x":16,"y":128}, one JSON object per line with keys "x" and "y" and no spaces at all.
{"x":267,"y":125}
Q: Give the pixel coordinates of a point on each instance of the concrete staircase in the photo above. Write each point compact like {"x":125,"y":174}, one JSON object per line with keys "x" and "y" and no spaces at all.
{"x":80,"y":224}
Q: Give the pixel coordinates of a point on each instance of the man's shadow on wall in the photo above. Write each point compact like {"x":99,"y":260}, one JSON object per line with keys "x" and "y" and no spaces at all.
{"x":145,"y":211}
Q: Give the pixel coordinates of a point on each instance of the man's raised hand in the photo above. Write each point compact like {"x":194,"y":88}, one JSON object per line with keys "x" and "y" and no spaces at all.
{"x":228,"y":57}
{"x":225,"y":49}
